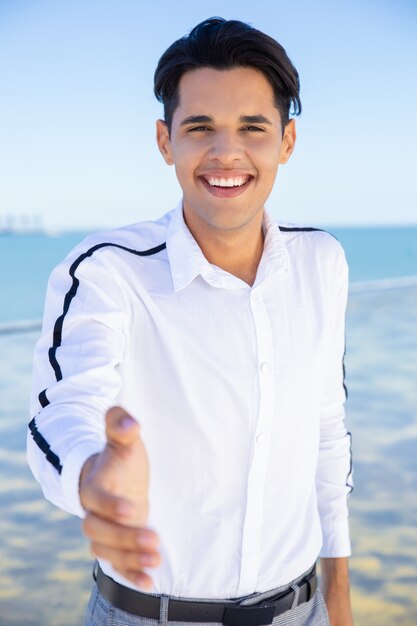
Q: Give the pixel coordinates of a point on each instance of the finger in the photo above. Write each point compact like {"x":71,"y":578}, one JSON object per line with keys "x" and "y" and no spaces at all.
{"x":106,"y":505}
{"x":125,"y":560}
{"x":119,"y":536}
{"x":141,"y":580}
{"x":121,"y":428}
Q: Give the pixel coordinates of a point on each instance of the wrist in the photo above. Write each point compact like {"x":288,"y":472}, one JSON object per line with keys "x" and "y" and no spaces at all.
{"x":336,"y":590}
{"x":70,"y":476}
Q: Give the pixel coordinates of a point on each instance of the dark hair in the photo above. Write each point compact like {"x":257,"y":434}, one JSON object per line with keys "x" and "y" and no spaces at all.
{"x":223,"y":45}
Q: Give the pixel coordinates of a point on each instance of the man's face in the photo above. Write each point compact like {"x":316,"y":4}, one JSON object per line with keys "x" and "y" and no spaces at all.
{"x":226,"y":144}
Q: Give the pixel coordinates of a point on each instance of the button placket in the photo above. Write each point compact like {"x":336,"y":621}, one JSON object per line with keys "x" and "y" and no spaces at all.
{"x":257,"y":474}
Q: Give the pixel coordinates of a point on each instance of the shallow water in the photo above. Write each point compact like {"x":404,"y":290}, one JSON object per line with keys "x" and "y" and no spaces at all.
{"x":45,"y":571}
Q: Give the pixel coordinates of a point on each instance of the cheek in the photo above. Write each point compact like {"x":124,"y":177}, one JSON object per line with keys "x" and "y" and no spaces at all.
{"x":268,"y":165}
{"x":266,"y":156}
{"x":187,"y":159}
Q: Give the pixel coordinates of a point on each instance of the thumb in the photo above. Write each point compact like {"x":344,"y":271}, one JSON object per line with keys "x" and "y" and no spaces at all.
{"x":121,"y":428}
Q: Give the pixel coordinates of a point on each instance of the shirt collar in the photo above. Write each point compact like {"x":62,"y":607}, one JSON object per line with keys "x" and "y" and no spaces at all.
{"x":187,"y":260}
{"x":275,"y":256}
{"x":185,"y":256}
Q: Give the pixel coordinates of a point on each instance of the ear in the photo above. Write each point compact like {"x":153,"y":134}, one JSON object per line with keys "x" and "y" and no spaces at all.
{"x":164,"y":142}
{"x":288,"y":142}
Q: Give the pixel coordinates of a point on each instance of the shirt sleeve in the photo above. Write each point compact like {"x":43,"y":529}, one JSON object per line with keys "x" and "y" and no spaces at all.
{"x":75,"y":374}
{"x":334,"y":470}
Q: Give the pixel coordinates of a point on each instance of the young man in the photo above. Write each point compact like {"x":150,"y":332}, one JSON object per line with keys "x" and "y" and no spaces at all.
{"x":222,"y":334}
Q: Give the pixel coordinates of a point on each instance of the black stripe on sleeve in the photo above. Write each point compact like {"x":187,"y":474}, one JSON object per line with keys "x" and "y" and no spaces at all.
{"x":350,"y":465}
{"x":344,"y":371}
{"x":307,"y":229}
{"x":57,"y":336}
{"x":304,"y":229}
{"x":43,"y":400}
{"x":300,"y":229}
{"x":344,"y":383}
{"x":44,"y":446}
{"x":57,"y":339}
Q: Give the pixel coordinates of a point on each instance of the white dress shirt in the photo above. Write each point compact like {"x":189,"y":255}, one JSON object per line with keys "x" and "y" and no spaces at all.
{"x":239,"y":391}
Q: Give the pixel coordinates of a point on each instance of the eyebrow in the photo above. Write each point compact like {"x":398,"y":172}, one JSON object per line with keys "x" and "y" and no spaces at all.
{"x":206,"y":119}
{"x":254,"y":119}
{"x":196,"y":119}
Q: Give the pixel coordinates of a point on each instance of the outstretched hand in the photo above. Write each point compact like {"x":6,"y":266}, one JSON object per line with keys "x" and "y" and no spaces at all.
{"x":114,"y":492}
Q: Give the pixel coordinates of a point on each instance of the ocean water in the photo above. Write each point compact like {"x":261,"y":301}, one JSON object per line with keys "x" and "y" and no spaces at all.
{"x":43,"y":555}
{"x":374,"y":254}
{"x":26,"y":262}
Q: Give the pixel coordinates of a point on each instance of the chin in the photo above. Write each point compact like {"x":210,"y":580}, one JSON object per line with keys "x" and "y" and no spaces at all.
{"x":230,"y":222}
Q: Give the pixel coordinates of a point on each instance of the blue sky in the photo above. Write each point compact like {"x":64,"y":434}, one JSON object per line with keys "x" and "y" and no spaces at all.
{"x":77,"y":112}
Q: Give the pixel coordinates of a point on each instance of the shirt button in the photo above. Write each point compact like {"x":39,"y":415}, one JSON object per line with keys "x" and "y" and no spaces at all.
{"x":265,"y":368}
{"x":260,"y":438}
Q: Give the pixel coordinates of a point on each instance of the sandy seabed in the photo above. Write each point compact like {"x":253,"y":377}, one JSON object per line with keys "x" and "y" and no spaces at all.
{"x":45,"y":566}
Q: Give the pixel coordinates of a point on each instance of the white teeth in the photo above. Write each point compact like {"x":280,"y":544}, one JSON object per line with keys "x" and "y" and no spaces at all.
{"x":227,"y":182}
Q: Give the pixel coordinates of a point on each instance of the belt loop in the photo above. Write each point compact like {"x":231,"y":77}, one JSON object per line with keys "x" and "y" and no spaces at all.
{"x":309,"y":589}
{"x":309,"y":583}
{"x":163,"y":610}
{"x":296,"y":590}
{"x":95,"y":568}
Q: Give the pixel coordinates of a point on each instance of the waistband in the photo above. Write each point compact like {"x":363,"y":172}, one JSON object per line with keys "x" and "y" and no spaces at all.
{"x":228,"y":612}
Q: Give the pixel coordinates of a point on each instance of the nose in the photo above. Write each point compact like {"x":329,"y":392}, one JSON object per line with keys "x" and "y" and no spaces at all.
{"x":226,"y":147}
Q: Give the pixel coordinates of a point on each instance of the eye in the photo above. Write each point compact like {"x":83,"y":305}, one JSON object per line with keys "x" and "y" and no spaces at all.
{"x":198,"y":129}
{"x":254,"y":129}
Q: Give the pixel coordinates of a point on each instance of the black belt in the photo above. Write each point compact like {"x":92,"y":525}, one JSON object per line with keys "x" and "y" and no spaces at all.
{"x":147,"y":605}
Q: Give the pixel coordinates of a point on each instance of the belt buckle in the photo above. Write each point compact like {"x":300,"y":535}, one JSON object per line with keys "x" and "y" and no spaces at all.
{"x":236,"y":615}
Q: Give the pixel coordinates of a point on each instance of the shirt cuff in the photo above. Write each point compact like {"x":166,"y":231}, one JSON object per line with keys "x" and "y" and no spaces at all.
{"x":70,"y":477}
{"x":336,"y":540}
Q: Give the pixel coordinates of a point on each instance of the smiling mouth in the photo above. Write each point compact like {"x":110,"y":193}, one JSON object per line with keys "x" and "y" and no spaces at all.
{"x":235,"y":181}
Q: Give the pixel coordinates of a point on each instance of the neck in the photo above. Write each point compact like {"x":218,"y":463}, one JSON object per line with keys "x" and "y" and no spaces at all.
{"x":237,"y":251}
